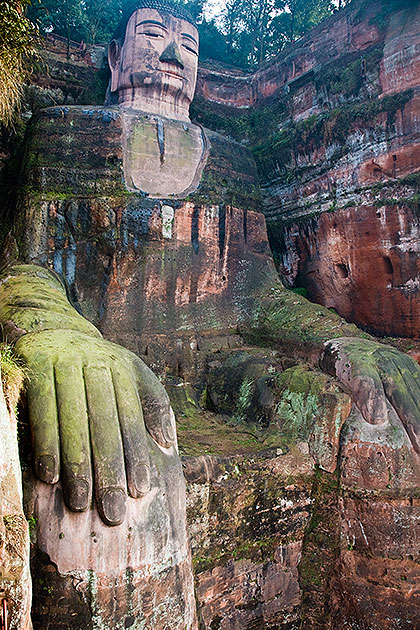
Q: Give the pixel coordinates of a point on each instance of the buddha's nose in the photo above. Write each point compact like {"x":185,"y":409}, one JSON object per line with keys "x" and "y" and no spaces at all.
{"x":172,"y":54}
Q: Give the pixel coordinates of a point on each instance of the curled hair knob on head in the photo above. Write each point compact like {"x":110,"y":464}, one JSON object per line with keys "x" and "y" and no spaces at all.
{"x":165,"y":6}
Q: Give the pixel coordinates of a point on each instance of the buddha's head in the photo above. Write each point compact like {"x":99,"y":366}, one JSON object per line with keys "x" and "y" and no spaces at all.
{"x":153,"y":58}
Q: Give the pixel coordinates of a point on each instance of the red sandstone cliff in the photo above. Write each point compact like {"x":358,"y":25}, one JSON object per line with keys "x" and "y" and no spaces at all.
{"x":339,"y":160}
{"x":273,"y":542}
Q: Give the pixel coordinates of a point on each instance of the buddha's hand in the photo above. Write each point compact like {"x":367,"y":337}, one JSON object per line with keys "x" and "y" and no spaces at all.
{"x":378,"y":377}
{"x":90,"y":402}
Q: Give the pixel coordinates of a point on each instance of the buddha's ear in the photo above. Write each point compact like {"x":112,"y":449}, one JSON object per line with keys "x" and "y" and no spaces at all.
{"x":114,"y":60}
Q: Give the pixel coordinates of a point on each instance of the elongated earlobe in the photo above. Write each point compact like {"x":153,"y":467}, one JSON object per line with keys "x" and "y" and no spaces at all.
{"x":114,"y":60}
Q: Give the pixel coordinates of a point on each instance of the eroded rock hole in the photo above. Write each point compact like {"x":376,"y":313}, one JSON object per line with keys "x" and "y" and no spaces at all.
{"x":342,"y":270}
{"x":389,"y":269}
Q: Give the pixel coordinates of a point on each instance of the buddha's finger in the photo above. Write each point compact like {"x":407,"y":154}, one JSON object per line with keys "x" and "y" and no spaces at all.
{"x":107,"y":448}
{"x":74,"y":436}
{"x":157,"y":412}
{"x":42,"y":407}
{"x":133,"y":432}
{"x":368,"y":393}
{"x":401,"y":383}
{"x":44,"y":425}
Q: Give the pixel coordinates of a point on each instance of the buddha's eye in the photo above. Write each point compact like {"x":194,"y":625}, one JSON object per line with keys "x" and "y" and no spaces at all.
{"x":191,"y":50}
{"x":154,"y":35}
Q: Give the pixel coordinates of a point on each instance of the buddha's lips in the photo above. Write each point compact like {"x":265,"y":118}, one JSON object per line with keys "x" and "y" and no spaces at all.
{"x":138,"y":79}
{"x":172,"y":74}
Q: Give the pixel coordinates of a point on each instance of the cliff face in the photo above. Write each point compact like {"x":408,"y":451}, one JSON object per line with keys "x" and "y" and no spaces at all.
{"x":339,"y":167}
{"x":15,"y":579}
{"x":293,"y":523}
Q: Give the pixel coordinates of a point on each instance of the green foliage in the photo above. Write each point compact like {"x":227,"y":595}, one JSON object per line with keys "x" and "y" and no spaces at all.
{"x":348,"y":81}
{"x":17,"y":43}
{"x":64,"y":17}
{"x":242,"y":32}
{"x":246,"y":393}
{"x":89,"y":20}
{"x":389,"y":7}
{"x":297,"y":411}
{"x":32,"y":521}
{"x":100,"y":19}
{"x":300,"y":17}
{"x":256,"y":30}
{"x":300,"y":291}
{"x":13,"y":373}
{"x":241,"y":125}
{"x":15,"y":27}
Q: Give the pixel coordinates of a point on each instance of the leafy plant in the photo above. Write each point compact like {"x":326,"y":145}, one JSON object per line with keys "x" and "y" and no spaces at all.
{"x":13,"y":374}
{"x":17,"y":43}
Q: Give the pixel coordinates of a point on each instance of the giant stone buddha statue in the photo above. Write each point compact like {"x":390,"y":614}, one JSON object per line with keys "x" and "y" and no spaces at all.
{"x":139,"y":232}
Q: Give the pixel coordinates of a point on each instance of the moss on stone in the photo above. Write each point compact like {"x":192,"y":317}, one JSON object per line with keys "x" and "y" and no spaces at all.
{"x":321,"y":546}
{"x":253,"y":511}
{"x":201,"y":432}
{"x":346,"y":78}
{"x":326,"y":128}
{"x":33,"y":298}
{"x":239,"y":124}
{"x":286,"y":320}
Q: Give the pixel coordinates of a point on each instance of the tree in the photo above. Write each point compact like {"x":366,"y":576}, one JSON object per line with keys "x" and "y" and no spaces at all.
{"x":17,"y":42}
{"x":246,"y":25}
{"x":64,"y":17}
{"x":341,"y":4}
{"x":101,"y":19}
{"x":298,"y":17}
{"x":258,"y":29}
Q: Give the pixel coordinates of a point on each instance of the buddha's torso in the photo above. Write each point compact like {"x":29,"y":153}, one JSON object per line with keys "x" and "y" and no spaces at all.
{"x":142,"y":267}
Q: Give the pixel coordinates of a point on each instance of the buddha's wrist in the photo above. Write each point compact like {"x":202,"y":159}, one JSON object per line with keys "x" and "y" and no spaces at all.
{"x":33,"y":299}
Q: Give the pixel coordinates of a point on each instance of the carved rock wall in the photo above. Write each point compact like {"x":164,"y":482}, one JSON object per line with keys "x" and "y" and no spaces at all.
{"x":142,"y":269}
{"x":246,"y":524}
{"x":277,"y":543}
{"x":340,"y":109}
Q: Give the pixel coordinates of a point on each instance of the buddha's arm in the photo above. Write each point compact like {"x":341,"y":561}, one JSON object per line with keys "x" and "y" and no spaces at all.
{"x":33,"y":299}
{"x":289,"y":321}
{"x":87,"y":397}
{"x":379,"y":377}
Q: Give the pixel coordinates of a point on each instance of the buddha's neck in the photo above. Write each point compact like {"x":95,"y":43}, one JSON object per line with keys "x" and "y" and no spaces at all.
{"x":175,"y":110}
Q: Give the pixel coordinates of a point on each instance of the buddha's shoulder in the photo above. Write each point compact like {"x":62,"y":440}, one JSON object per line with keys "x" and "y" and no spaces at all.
{"x":79,"y":150}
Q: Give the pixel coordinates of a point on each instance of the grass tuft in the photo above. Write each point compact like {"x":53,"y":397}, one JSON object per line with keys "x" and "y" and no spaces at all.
{"x":13,"y":374}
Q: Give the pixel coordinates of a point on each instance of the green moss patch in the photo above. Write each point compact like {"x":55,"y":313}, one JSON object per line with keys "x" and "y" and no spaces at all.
{"x":201,"y":432}
{"x":321,"y":547}
{"x":326,"y":128}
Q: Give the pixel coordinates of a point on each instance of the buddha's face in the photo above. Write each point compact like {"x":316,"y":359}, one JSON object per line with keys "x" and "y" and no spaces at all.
{"x":155,"y":70}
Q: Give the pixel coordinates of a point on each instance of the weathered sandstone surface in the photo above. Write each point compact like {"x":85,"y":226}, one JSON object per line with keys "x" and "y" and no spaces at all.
{"x":291,"y":526}
{"x":339,"y":170}
{"x":15,"y":580}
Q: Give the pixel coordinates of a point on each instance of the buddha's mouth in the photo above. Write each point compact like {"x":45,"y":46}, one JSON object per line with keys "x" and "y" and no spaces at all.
{"x":172,"y":73}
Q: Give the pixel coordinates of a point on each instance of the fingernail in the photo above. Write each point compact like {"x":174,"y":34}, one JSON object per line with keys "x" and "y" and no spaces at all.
{"x":142,"y":480}
{"x":168,"y":428}
{"x":78,"y":495}
{"x":46,"y":468}
{"x":112,"y":506}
